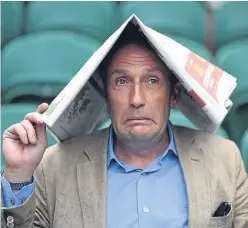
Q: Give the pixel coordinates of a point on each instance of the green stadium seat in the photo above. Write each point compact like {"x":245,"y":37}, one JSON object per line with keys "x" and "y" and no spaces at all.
{"x":192,"y":45}
{"x":177,"y":18}
{"x":14,"y":113}
{"x":244,"y":149}
{"x":103,"y":125}
{"x":41,"y":64}
{"x":233,"y":59}
{"x":98,"y":19}
{"x":231,"y":22}
{"x":12,"y":14}
{"x":176,"y":118}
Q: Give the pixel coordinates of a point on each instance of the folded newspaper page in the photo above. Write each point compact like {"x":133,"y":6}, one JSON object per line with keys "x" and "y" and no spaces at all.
{"x":204,"y":99}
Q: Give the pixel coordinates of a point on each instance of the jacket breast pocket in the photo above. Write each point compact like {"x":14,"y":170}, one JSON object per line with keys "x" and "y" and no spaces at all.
{"x":223,"y":221}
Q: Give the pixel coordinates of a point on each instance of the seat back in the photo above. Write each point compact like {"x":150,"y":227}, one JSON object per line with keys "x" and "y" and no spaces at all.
{"x":197,"y":47}
{"x":50,"y":61}
{"x":230,"y":22}
{"x":178,"y":18}
{"x":12,"y":18}
{"x":244,"y":149}
{"x":177,"y":118}
{"x":233,"y":59}
{"x":96,"y":19}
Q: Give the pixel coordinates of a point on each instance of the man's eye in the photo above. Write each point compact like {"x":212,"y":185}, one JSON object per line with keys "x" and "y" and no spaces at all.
{"x":121,"y":81}
{"x":153,"y":81}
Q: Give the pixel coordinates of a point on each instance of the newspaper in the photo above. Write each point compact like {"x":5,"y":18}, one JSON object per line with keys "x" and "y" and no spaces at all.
{"x":204,"y":99}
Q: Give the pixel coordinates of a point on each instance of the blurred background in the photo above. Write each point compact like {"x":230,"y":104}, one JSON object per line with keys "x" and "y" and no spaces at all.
{"x":44,"y":44}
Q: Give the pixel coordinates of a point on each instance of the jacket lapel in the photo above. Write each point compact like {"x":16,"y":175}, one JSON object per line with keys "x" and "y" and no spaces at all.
{"x":191,"y":157}
{"x":91,"y":179}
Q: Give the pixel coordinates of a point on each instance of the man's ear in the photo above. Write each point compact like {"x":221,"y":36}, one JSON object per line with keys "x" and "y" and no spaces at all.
{"x":175,"y":95}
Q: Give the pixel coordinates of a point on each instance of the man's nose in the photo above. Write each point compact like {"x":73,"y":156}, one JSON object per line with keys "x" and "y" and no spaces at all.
{"x":137,"y":98}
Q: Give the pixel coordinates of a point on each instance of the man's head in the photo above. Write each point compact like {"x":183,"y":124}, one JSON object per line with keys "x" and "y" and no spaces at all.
{"x":140,"y":90}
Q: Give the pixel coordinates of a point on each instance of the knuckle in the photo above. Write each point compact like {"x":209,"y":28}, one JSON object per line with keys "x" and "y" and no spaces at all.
{"x":27,"y":116}
{"x":6,"y":131}
{"x":18,"y":125}
{"x":31,"y":115}
{"x":22,"y":125}
{"x":24,"y":122}
{"x":28,"y":125}
{"x":20,"y":128}
{"x":11,"y":128}
{"x":36,"y":114}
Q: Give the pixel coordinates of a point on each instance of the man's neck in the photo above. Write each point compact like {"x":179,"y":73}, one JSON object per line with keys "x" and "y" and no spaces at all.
{"x":141,"y":157}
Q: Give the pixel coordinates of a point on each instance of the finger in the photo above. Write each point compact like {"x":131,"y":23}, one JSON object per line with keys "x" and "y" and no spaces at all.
{"x":34,"y":117}
{"x":30,"y":131}
{"x":41,"y":134}
{"x":42,"y":108}
{"x":18,"y":129}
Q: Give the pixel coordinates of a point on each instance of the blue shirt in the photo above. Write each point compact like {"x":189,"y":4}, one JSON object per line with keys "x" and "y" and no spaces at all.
{"x":12,"y":200}
{"x":153,"y":197}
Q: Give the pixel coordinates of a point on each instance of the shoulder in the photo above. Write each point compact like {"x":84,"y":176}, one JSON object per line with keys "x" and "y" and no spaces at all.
{"x":215,"y":147}
{"x":72,"y":152}
{"x":205,"y":139}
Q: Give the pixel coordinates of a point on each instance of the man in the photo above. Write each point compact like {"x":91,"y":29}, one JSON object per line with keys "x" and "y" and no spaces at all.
{"x":141,"y":172}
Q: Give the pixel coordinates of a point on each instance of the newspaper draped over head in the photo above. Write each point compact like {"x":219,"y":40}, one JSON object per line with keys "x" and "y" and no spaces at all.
{"x":204,"y":99}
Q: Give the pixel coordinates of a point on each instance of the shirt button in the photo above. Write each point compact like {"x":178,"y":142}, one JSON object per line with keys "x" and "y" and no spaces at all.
{"x":12,"y":202}
{"x":23,"y":201}
{"x":10,"y":219}
{"x":146,"y":209}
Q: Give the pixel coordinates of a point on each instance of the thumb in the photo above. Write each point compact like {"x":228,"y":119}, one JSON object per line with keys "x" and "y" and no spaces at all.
{"x":41,"y":134}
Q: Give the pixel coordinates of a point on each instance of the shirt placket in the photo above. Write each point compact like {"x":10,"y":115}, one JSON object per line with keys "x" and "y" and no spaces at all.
{"x":143,"y":199}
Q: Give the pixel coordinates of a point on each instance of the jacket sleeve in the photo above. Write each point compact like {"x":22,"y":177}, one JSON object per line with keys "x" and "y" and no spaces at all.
{"x":33,"y":212}
{"x":241,"y":202}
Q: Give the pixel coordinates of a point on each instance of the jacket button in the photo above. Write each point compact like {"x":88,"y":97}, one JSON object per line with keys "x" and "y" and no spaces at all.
{"x":12,"y":202}
{"x":10,"y":224}
{"x":10,"y":219}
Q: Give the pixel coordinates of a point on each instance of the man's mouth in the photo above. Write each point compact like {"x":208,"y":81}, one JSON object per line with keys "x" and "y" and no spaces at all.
{"x":139,"y":120}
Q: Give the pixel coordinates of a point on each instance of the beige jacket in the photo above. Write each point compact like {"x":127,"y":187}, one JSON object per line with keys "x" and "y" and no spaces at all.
{"x":70,"y":182}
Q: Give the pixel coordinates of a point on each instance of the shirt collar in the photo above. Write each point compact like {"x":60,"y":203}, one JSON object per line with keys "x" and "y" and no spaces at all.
{"x":171,"y":146}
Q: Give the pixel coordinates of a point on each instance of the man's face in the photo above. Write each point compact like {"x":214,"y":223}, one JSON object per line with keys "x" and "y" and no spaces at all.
{"x":138,"y":95}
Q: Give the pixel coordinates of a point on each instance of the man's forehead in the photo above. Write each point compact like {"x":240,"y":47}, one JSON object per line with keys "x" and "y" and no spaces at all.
{"x":123,"y":70}
{"x":133,"y":54}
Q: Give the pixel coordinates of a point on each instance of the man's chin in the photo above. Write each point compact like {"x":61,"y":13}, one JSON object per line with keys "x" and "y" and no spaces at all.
{"x":139,"y":139}
{"x":142,"y":134}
